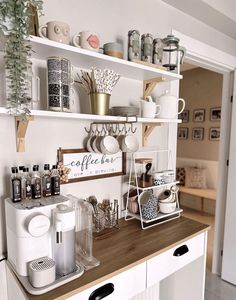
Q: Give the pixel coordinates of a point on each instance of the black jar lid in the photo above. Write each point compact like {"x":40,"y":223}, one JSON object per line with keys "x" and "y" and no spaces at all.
{"x":14,"y":170}
{"x":54,"y":167}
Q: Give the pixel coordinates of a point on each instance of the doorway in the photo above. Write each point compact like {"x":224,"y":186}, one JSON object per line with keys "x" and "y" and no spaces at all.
{"x":198,"y":146}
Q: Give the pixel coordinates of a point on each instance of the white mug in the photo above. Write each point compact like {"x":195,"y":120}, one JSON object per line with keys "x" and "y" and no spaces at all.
{"x":56,"y":31}
{"x":149,"y":109}
{"x":87,"y":40}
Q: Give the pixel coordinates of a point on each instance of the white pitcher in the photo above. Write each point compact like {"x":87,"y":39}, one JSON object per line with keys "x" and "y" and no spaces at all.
{"x":169,"y":106}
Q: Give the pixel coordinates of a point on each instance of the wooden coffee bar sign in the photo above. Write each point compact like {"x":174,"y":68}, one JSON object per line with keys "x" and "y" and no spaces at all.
{"x":86,"y":165}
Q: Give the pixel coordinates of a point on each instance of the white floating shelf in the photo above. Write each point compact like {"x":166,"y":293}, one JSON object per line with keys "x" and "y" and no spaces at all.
{"x":160,"y":216}
{"x":89,"y":117}
{"x":154,"y":186}
{"x":86,"y":59}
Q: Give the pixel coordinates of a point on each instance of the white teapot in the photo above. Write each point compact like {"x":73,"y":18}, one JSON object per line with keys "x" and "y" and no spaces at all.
{"x":169,"y":106}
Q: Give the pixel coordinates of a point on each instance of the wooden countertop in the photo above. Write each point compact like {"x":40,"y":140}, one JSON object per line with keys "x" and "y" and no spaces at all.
{"x":126,"y":248}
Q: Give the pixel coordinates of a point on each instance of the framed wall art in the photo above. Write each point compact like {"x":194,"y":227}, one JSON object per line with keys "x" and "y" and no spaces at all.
{"x":215,"y":114}
{"x":182,"y":133}
{"x":199,"y":115}
{"x":214,"y":134}
{"x":86,"y":165}
{"x":198,"y":134}
{"x":184,"y":116}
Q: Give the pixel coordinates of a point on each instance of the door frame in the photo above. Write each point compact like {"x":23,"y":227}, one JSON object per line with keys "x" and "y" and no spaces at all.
{"x":218,"y":61}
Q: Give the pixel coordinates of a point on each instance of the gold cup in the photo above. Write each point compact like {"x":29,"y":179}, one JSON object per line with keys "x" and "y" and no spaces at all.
{"x":99,"y":103}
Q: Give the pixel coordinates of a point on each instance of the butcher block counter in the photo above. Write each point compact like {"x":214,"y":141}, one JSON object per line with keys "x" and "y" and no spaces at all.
{"x":132,"y":249}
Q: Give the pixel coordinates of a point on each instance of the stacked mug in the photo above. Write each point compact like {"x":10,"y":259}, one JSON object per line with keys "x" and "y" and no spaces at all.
{"x":59,"y":84}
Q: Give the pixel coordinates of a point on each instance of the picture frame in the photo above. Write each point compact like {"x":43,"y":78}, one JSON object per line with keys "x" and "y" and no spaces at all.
{"x":199,"y":115}
{"x":215,"y":114}
{"x":86,"y":165}
{"x":198,"y":134}
{"x":184,"y":116}
{"x":214,"y":134}
{"x":182,"y":133}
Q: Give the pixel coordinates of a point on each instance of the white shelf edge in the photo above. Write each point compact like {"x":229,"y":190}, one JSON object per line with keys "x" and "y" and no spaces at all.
{"x":154,"y":186}
{"x":64,"y":115}
{"x":100,"y":56}
{"x":160,"y":215}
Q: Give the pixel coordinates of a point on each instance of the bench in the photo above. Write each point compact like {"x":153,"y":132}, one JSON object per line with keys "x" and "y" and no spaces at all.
{"x":202,"y":193}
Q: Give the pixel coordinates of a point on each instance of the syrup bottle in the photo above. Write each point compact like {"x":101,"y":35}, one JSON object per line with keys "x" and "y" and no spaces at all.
{"x":36,"y":183}
{"x":26,"y":185}
{"x":46,"y":181}
{"x":15,"y":185}
{"x":55,"y":181}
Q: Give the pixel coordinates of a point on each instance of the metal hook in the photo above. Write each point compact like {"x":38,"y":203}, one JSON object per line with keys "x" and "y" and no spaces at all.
{"x":133,"y":130}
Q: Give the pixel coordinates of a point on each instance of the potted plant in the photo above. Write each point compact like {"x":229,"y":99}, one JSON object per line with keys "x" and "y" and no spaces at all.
{"x":15,"y":24}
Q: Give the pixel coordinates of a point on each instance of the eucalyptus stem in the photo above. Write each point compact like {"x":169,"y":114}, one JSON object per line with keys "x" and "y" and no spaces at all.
{"x":15,"y":24}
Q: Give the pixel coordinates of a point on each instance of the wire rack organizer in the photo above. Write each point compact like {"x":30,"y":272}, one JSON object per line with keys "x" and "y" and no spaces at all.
{"x":133,"y":183}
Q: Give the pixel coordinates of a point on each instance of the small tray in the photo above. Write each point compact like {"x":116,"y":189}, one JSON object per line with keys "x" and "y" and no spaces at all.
{"x":60,"y":280}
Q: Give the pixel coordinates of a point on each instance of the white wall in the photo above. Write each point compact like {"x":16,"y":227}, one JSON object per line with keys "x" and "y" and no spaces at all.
{"x":112,"y":20}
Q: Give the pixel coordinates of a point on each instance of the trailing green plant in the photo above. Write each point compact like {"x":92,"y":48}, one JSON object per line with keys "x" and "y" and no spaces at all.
{"x":15,"y":24}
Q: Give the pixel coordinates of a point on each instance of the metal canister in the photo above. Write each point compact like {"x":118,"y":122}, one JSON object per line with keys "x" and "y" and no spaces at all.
{"x":134,"y":45}
{"x":157,"y":51}
{"x":147,"y":47}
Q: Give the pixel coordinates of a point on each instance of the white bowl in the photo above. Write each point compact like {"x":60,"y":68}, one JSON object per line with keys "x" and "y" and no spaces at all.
{"x":166,"y":196}
{"x":167,"y":208}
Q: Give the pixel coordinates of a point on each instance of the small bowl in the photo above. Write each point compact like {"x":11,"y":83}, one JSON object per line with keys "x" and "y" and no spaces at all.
{"x":167,"y":208}
{"x":166,"y":197}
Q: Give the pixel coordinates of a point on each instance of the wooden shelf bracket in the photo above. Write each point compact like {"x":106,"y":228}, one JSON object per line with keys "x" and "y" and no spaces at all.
{"x":149,"y":85}
{"x":147,"y":129}
{"x":21,"y":129}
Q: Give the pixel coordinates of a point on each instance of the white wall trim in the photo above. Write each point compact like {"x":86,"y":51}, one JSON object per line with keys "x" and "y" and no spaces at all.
{"x":216,"y":60}
{"x":200,"y":52}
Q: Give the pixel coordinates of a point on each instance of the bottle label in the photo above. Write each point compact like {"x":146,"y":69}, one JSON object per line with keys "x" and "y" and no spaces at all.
{"x":47,"y":186}
{"x":28,"y":190}
{"x":36,"y":188}
{"x":55,"y":185}
{"x":16,"y":190}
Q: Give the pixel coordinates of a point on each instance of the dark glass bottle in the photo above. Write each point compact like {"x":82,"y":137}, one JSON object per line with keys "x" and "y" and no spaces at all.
{"x":55,"y":181}
{"x":36,"y":183}
{"x":26,"y":185}
{"x":46,"y":181}
{"x":15,"y":185}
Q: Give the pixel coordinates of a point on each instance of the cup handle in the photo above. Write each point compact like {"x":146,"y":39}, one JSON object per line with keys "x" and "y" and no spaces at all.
{"x":181,"y":100}
{"x":74,"y":40}
{"x":43,"y":31}
{"x":157,"y":113}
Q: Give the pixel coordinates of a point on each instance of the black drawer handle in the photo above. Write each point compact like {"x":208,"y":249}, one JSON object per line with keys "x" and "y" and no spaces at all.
{"x":181,"y":250}
{"x":102,"y":292}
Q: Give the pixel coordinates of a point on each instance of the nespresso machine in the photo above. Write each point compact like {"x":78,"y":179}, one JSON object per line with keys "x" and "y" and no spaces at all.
{"x":40,"y":241}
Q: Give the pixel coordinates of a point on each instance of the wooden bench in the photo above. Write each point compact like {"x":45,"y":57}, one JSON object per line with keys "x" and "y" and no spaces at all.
{"x":202,"y":193}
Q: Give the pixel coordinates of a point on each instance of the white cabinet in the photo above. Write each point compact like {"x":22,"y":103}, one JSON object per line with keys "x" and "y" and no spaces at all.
{"x":126,"y":285}
{"x":174,"y":259}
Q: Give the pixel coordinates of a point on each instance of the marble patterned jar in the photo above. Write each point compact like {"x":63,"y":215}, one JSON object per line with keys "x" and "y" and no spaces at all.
{"x":147,"y":47}
{"x":59,"y":84}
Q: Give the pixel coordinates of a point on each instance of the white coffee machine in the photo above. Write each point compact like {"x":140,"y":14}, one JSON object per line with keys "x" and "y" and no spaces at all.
{"x":29,"y":230}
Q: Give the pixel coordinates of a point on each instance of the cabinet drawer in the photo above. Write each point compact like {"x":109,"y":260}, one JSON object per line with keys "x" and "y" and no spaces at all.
{"x":174,"y":259}
{"x":122,"y":286}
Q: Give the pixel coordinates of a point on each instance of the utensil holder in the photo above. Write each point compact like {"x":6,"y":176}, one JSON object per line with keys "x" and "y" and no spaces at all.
{"x":99,"y":103}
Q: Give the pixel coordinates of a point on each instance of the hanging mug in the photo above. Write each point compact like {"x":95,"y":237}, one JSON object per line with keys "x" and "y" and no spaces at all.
{"x":87,"y":40}
{"x":55,"y":31}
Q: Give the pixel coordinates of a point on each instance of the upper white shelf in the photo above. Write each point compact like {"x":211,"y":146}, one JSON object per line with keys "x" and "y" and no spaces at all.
{"x":86,"y":59}
{"x":89,"y":117}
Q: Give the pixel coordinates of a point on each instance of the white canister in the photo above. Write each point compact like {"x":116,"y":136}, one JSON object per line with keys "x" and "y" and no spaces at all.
{"x":168,"y":176}
{"x":169,"y":106}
